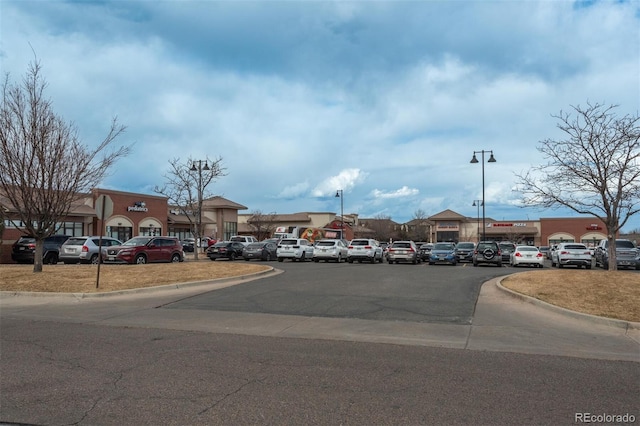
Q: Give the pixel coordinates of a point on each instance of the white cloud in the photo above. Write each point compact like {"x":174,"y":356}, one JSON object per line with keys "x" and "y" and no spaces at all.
{"x":405,"y":191}
{"x":346,"y":180}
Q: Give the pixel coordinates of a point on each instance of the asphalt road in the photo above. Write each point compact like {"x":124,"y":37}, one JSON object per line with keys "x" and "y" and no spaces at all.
{"x":318,"y":344}
{"x":399,"y":292}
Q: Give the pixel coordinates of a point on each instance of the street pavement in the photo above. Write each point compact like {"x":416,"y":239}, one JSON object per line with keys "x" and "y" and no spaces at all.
{"x":130,"y":359}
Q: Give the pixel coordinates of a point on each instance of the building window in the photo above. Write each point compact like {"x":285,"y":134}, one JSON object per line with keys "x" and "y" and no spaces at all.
{"x":180,"y":233}
{"x":151,"y":231}
{"x":230,"y":229}
{"x":73,"y":229}
{"x":122,"y":233}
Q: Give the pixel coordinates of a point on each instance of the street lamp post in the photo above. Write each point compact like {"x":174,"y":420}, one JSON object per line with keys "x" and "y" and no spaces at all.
{"x":197,"y":166}
{"x":340,"y":194}
{"x":478,"y":203}
{"x":473,"y":161}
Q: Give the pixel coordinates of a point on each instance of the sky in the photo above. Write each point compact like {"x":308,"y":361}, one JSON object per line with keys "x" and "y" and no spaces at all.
{"x":384,"y":100}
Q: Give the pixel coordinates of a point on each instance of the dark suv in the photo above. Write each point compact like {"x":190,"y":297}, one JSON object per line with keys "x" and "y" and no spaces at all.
{"x":24,"y":249}
{"x":145,"y":250}
{"x":487,"y":252}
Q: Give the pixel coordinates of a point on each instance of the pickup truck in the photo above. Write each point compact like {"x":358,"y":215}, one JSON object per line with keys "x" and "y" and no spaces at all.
{"x":627,"y":254}
{"x":571,"y":254}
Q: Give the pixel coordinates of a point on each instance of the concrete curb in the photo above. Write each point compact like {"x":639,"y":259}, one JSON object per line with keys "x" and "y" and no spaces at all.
{"x":154,"y":289}
{"x":611,"y":322}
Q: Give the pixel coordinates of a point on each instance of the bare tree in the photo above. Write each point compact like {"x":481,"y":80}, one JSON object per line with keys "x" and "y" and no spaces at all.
{"x":186,"y":188}
{"x":44,"y":167}
{"x":595,"y":170}
{"x":262,"y":225}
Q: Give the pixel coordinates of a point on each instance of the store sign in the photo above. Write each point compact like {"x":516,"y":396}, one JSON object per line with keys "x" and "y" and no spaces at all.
{"x":594,"y":227}
{"x":519,"y":224}
{"x":138,"y":206}
{"x":451,"y":226}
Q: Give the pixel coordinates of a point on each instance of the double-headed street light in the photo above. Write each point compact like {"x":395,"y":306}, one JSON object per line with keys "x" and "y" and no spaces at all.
{"x":340,"y":194}
{"x":473,"y":161}
{"x":197,"y":166}
{"x":478,"y":203}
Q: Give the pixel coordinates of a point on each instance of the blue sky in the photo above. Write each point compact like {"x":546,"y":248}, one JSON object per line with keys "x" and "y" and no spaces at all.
{"x":386,"y":100}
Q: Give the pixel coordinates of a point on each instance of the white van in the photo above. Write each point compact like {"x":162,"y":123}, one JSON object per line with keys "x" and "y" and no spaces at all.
{"x":244,"y":239}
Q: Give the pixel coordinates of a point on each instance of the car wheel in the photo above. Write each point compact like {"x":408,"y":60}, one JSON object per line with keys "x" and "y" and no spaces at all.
{"x":350,"y":260}
{"x":94,"y":259}
{"x":232,"y":257}
{"x":140,"y":259}
{"x":390,"y":262}
{"x":175,"y":258}
{"x":588,"y":266}
{"x":316,"y":260}
{"x":430,"y":263}
{"x":280,"y":259}
{"x":560,"y":265}
{"x":499,"y":264}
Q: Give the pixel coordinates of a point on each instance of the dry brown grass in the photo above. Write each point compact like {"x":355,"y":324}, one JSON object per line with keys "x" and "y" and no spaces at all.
{"x":82,"y":278}
{"x":611,"y":294}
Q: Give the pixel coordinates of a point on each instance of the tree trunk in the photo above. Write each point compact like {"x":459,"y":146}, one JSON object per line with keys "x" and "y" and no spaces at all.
{"x":37,"y":256}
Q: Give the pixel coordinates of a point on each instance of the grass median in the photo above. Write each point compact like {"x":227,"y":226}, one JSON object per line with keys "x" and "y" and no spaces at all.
{"x":611,"y":294}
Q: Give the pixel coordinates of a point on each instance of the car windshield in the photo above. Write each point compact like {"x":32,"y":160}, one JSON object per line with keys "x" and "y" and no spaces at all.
{"x":624,"y":244}
{"x":326,"y":243}
{"x":465,"y":245}
{"x":221,"y":244}
{"x":575,"y":247}
{"x":238,"y":239}
{"x":526,"y":248}
{"x":359,"y":243}
{"x":137,"y":241}
{"x":75,"y":241}
{"x":443,"y":246}
{"x":289,"y":242}
{"x":507,"y":246}
{"x":401,"y":245}
{"x":256,"y":245}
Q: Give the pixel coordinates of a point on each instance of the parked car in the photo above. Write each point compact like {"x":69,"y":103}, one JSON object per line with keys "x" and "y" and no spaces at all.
{"x":506,"y":248}
{"x":464,"y":251}
{"x":140,"y":250}
{"x":487,"y":252}
{"x":443,"y":253}
{"x":552,"y":248}
{"x":263,"y":250}
{"x":544,"y":250}
{"x":23,"y":250}
{"x":364,"y":249}
{"x":294,"y":249}
{"x":188,"y":245}
{"x":424,"y":251}
{"x":575,"y":254}
{"x":403,"y":251}
{"x":627,"y":254}
{"x":84,"y":249}
{"x":330,"y":249}
{"x":225,"y":250}
{"x":527,"y":255}
{"x":244,"y":239}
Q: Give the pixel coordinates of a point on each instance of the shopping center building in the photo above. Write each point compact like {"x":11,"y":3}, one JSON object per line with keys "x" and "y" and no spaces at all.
{"x":133,"y":215}
{"x":143,"y":214}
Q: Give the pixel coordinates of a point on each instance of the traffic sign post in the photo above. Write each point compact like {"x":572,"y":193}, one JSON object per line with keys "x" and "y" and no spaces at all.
{"x":104,"y":209}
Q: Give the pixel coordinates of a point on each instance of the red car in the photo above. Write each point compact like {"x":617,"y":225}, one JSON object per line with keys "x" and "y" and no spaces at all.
{"x":145,"y":250}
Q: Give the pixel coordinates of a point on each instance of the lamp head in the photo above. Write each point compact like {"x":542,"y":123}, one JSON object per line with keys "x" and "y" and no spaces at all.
{"x":474,"y":159}
{"x":338,"y":193}
{"x":491,"y":159}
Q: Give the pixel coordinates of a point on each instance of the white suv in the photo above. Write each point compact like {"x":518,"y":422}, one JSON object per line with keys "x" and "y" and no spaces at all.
{"x":244,"y":239}
{"x":294,"y":249}
{"x":364,"y":249}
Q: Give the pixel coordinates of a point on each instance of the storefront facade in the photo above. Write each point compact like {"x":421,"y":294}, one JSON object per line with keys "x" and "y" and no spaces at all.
{"x":134,"y":215}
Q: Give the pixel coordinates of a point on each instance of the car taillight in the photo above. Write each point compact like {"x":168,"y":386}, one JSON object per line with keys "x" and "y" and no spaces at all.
{"x":85,"y":249}
{"x":31,"y":246}
{"x":539,"y":255}
{"x":518,"y":254}
{"x":366,"y":247}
